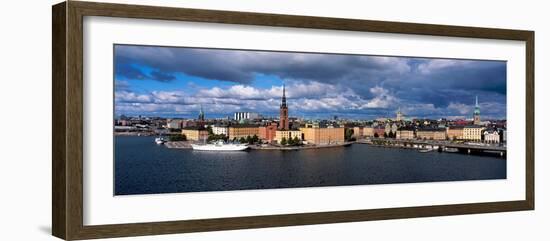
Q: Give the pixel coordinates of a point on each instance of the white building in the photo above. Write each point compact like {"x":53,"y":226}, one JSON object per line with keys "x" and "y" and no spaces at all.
{"x":174,"y":124}
{"x":491,"y":136}
{"x":245,"y":116}
{"x":220,"y":130}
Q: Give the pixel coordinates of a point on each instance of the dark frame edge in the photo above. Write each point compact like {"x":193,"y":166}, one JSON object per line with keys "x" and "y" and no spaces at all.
{"x":59,"y":177}
{"x":283,"y":220}
{"x":530,"y":119}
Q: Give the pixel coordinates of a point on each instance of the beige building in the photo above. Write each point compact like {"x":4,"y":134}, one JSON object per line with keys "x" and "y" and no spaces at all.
{"x":368,"y":131}
{"x":455,"y":132}
{"x":323,"y":136}
{"x":358,"y":132}
{"x":238,"y":131}
{"x":287,"y":134}
{"x":195,"y":134}
{"x":431,"y":134}
{"x":473,"y":133}
{"x":404,"y":133}
{"x":220,"y":130}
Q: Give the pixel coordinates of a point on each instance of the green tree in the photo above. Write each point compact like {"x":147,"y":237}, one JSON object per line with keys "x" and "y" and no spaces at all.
{"x":181,"y":137}
{"x":242,"y":140}
{"x":296,"y":141}
{"x":348,"y":134}
{"x":255,"y":138}
{"x":209,"y":129}
{"x":385,"y":135}
{"x":292,"y":141}
{"x":248,"y":139}
{"x":283,"y":141}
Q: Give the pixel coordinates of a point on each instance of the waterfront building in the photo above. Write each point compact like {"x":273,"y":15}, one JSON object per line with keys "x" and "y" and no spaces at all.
{"x":390,"y":127}
{"x":287,"y":134}
{"x":477,"y":117}
{"x":387,"y":128}
{"x":323,"y":136}
{"x":283,"y":113}
{"x":195,"y":133}
{"x":238,"y":131}
{"x":455,"y":132}
{"x":267,"y":132}
{"x":220,"y":130}
{"x":238,"y":116}
{"x":473,"y":132}
{"x":491,"y":136}
{"x":379,"y":131}
{"x":431,"y":134}
{"x":405,"y":133}
{"x":368,"y":131}
{"x":358,"y":132}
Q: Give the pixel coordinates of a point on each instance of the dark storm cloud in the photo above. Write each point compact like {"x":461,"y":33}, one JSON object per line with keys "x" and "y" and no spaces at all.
{"x":436,"y":86}
{"x":442,"y":81}
{"x":129,"y":72}
{"x":241,"y":66}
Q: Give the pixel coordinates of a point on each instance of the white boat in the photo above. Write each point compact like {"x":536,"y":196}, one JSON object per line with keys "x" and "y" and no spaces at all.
{"x":450,"y":149}
{"x":160,"y":140}
{"x":220,"y":146}
{"x":425,"y":150}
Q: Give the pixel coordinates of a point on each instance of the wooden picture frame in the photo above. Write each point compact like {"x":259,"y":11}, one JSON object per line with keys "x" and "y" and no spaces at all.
{"x":67,"y":137}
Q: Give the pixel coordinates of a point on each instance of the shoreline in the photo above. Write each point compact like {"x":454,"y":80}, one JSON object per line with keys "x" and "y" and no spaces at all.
{"x":298,"y":148}
{"x":187,"y":145}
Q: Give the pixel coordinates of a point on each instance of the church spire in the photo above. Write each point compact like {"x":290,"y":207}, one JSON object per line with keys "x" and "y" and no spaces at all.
{"x":477,"y":118}
{"x":283,"y":111}
{"x":283,"y":100}
{"x":201,"y":114}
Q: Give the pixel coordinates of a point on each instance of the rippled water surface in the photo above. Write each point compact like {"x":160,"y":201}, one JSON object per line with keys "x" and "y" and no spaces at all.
{"x":142,"y":167}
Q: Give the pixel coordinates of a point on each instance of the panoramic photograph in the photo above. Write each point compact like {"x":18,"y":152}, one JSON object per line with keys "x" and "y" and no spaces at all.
{"x":192,"y":119}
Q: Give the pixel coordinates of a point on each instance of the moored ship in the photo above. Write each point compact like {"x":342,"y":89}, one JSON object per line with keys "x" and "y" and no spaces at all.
{"x":219,"y":146}
{"x":160,"y":140}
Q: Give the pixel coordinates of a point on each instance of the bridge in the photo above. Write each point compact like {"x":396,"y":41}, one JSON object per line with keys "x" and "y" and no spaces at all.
{"x":439,"y":145}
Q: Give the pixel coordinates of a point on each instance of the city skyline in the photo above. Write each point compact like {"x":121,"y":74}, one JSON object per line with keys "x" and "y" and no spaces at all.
{"x":176,"y":82}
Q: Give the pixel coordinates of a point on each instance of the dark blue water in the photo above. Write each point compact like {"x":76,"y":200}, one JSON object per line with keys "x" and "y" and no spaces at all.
{"x":142,"y":167}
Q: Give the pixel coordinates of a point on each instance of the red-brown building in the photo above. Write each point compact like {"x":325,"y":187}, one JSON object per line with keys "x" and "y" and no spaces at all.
{"x":379,"y":131}
{"x":267,"y":132}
